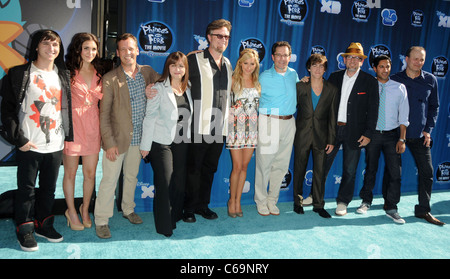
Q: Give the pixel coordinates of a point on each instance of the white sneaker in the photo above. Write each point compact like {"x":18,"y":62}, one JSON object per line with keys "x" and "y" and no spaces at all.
{"x":341,"y":209}
{"x":273,"y":209}
{"x":308,"y":201}
{"x":363,"y":208}
{"x":262,"y":209}
{"x":393,"y":214}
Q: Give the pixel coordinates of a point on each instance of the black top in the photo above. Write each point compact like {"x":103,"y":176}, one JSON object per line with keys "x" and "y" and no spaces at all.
{"x":184,"y":112}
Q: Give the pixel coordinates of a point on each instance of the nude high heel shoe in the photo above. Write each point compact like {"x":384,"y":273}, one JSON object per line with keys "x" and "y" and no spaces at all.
{"x":231,"y":214}
{"x":71,"y":225}
{"x":85,"y":224}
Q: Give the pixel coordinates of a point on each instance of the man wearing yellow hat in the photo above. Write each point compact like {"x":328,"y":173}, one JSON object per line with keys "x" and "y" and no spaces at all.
{"x":357,"y":114}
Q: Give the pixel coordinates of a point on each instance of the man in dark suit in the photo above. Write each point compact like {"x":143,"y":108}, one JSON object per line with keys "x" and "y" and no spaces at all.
{"x":357,"y":114}
{"x":316,"y":131}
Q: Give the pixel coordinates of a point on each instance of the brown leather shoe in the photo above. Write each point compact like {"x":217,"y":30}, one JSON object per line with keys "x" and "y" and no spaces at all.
{"x":430,"y":219}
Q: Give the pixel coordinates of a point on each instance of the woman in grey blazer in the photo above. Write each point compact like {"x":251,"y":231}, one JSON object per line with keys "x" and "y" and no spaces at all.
{"x":165,"y":137}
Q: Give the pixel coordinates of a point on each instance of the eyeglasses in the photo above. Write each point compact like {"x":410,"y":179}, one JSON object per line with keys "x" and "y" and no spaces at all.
{"x":353,"y":57}
{"x":282,"y":55}
{"x":220,"y":37}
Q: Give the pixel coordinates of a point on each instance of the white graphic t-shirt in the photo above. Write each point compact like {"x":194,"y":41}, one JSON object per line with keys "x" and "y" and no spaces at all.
{"x":40,"y":114}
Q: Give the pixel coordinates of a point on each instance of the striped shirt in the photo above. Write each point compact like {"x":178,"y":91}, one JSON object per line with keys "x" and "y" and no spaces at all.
{"x":138,"y":101}
{"x":396,"y":105}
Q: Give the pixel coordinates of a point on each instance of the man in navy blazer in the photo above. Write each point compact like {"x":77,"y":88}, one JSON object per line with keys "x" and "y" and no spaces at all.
{"x":357,"y":114}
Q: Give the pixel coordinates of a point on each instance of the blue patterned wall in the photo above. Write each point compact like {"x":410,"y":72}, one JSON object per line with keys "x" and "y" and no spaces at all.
{"x":381,"y":26}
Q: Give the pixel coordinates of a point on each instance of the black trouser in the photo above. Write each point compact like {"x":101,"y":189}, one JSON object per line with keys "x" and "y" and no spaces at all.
{"x":33,"y":203}
{"x":203,"y":159}
{"x":385,"y":142}
{"x":169,"y":175}
{"x":301,"y":156}
{"x":422,"y":157}
{"x":349,"y":166}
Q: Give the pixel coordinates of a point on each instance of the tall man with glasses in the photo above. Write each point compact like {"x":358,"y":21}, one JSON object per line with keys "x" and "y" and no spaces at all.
{"x":210,"y":76}
{"x":389,"y":138}
{"x":357,"y":107}
{"x":276,"y":128}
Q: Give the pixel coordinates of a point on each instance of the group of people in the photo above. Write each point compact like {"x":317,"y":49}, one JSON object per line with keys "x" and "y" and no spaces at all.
{"x":62,"y":111}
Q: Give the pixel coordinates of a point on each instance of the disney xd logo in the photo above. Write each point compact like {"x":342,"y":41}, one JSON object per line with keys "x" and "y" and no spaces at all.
{"x":444,"y":20}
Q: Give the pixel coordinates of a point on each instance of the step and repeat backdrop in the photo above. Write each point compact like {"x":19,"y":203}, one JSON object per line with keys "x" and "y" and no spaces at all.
{"x":381,"y":26}
{"x":326,"y":26}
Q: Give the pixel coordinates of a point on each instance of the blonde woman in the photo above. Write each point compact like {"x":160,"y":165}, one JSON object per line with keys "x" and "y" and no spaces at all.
{"x":242,"y":124}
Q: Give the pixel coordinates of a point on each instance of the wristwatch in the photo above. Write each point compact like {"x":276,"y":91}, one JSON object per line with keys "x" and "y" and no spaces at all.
{"x":402,"y":140}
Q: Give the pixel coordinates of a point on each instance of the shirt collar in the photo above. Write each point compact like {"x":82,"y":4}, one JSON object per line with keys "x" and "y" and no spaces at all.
{"x":354,"y":76}
{"x":288,"y":70}
{"x":138,"y":67}
{"x":207,"y":55}
{"x":386,"y":83}
{"x":421,"y":75}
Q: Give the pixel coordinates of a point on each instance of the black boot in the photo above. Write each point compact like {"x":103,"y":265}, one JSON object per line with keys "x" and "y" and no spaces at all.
{"x":45,"y":229}
{"x":298,"y":209}
{"x":25,"y":237}
{"x":322,"y":212}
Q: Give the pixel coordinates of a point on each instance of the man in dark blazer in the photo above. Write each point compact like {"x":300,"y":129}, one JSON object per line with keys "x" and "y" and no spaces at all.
{"x":357,"y":114}
{"x":316,"y":132}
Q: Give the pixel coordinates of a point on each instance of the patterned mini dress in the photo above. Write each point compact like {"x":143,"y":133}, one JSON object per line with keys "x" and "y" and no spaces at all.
{"x":243,"y":120}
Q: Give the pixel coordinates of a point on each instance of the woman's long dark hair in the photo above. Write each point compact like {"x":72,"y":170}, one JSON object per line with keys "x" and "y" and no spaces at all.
{"x":73,"y":57}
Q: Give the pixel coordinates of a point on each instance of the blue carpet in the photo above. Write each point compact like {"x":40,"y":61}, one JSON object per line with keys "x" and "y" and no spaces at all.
{"x":287,"y":236}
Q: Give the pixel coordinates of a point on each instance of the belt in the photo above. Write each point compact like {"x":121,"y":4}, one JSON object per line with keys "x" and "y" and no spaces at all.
{"x":385,"y":132}
{"x":284,"y":117}
{"x":341,"y":123}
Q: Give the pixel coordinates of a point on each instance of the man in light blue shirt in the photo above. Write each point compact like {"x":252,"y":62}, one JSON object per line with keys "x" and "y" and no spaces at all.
{"x":389,"y":137}
{"x":276,"y":128}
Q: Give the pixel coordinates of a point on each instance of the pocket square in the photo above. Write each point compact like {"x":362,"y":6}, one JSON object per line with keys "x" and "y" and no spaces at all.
{"x":361,"y":93}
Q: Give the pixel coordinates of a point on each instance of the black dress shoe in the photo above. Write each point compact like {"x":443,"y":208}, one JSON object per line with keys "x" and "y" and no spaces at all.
{"x":298,"y":209}
{"x":189,"y":217}
{"x":206,"y":213}
{"x":322,"y":212}
{"x":430,"y":219}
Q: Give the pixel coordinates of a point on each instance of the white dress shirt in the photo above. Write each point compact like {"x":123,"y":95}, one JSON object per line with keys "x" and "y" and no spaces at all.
{"x":346,"y":89}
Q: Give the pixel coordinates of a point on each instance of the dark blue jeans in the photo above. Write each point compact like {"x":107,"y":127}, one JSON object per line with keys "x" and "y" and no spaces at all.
{"x":422,"y":158}
{"x":383,"y":142}
{"x":349,"y":166}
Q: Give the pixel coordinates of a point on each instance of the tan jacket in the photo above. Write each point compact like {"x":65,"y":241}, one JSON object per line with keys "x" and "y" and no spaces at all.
{"x":116,"y":126}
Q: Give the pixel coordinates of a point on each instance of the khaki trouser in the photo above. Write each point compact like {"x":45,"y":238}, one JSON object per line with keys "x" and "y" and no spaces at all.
{"x":104,"y":203}
{"x":273,"y":156}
